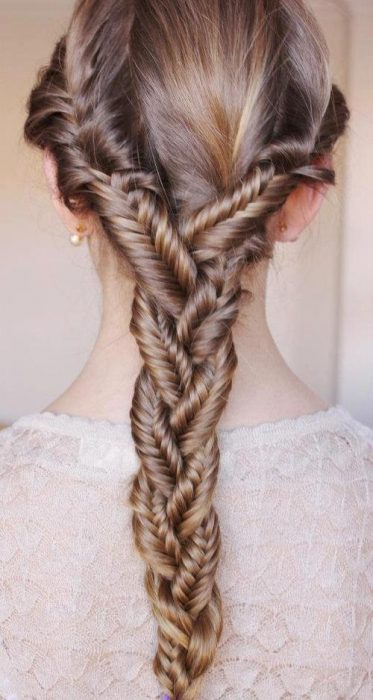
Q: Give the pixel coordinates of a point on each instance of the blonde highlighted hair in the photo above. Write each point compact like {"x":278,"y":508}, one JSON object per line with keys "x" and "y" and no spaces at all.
{"x":184,"y":124}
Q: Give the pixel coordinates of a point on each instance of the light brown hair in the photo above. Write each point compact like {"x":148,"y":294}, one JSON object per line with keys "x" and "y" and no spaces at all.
{"x":184,"y":124}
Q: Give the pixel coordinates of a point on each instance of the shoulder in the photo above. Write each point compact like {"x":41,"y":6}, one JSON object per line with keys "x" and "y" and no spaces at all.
{"x":338,"y":449}
{"x":16,"y":445}
{"x":320,"y":443}
{"x":71,"y":446}
{"x":357,"y":436}
{"x":10,"y":439}
{"x":23,"y":444}
{"x":341,"y":440}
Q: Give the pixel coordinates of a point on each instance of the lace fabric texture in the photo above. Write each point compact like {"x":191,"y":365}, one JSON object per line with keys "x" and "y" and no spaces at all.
{"x":295,"y":501}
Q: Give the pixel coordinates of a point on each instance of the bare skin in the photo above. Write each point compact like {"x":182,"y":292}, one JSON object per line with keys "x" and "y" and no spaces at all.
{"x":264,"y":387}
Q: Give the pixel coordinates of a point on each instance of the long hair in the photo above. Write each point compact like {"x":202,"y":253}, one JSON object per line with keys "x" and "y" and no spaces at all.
{"x":184,"y":124}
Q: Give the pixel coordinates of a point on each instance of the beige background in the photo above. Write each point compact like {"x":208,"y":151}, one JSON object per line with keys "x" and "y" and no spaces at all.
{"x":320,"y":298}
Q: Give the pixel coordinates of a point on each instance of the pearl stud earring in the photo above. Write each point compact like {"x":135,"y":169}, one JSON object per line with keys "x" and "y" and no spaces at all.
{"x":75,"y":238}
{"x":283,"y":226}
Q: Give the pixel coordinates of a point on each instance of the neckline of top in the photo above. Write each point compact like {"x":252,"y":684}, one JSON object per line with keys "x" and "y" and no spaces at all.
{"x":87,"y":427}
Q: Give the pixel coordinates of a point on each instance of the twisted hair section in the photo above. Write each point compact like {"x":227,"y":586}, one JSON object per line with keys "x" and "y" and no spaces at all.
{"x":183,"y":126}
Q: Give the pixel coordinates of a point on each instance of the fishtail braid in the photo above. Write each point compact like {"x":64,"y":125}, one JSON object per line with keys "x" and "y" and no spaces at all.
{"x":179,"y":512}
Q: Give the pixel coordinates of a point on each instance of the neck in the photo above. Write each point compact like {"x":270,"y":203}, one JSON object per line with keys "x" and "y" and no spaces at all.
{"x":264,"y":388}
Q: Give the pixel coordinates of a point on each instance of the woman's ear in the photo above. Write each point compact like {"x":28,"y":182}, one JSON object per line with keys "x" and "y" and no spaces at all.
{"x":300,"y":208}
{"x":50,"y":171}
{"x":70,"y":221}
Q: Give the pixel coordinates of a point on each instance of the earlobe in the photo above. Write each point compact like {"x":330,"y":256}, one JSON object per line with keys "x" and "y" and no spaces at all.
{"x":76,"y":238}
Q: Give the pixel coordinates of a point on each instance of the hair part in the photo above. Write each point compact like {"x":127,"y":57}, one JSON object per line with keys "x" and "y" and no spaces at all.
{"x":184,"y":125}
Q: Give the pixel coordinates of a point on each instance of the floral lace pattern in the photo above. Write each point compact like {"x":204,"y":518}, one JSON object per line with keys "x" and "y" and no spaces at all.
{"x":295,"y":501}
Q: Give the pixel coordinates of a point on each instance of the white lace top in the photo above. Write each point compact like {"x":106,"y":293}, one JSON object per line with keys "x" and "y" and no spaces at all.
{"x":295,"y":500}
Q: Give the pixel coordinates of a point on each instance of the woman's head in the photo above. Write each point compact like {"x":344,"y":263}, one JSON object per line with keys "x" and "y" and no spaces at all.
{"x":188,"y":130}
{"x":192,"y":92}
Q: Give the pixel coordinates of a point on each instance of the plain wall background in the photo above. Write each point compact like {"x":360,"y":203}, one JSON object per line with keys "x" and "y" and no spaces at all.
{"x":320,"y":296}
